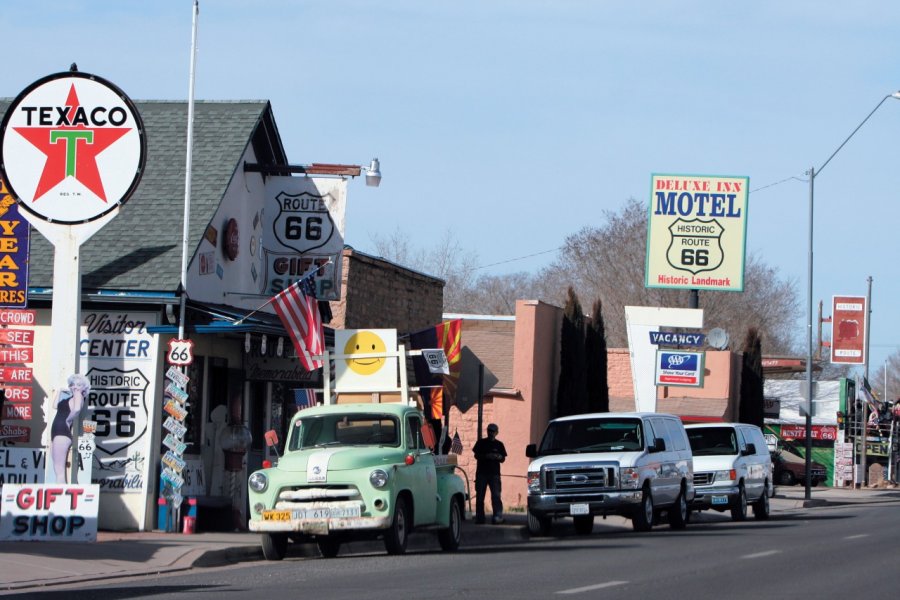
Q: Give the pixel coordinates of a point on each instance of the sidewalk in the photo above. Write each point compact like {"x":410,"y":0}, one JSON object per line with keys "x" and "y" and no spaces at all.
{"x":33,"y":565}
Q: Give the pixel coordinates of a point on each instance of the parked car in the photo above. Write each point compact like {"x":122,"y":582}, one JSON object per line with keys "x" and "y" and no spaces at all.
{"x":636,"y":465}
{"x":790,"y":469}
{"x":732,"y":468}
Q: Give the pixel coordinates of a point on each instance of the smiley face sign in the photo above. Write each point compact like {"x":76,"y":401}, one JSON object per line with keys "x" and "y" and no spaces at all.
{"x":365,"y":373}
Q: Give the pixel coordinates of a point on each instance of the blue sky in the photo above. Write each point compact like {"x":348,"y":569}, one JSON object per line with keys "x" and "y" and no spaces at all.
{"x":515,"y":123}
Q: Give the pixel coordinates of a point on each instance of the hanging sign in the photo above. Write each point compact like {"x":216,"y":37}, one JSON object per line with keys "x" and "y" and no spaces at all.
{"x":15,"y":237}
{"x":848,"y":330}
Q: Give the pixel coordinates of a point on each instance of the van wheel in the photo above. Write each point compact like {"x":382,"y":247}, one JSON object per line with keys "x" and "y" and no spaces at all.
{"x":643,"y":516}
{"x":328,"y":547}
{"x":678,"y":514}
{"x":739,"y":510}
{"x":761,"y":506}
{"x":397,"y":535}
{"x":538,"y":524}
{"x":274,"y":545}
{"x":449,"y":538}
{"x":584,"y":524}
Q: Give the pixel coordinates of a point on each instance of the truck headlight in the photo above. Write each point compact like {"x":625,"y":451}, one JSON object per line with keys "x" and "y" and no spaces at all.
{"x":726,"y":475}
{"x":630,"y":478}
{"x":534,"y":481}
{"x":258,"y":482}
{"x":378,"y":478}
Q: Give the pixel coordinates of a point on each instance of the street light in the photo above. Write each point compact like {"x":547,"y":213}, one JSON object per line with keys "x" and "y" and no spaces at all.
{"x":809,"y":289}
{"x":373,"y":171}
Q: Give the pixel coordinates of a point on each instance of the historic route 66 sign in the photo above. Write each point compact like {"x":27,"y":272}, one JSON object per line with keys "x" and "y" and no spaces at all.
{"x":181,"y":352}
{"x":303,"y":222}
{"x":695,"y":246}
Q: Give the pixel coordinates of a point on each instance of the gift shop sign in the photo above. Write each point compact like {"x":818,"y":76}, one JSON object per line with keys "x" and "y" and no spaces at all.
{"x":848,"y":330}
{"x":697,"y":232}
{"x":72,"y":148}
{"x":49,"y":512}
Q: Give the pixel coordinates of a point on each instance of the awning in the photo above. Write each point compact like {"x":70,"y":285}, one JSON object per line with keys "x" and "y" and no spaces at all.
{"x":217,"y":318}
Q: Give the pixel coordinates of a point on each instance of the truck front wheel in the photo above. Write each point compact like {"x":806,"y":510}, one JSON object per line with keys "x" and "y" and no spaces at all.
{"x":397,"y":535}
{"x":449,"y":538}
{"x":274,"y":545}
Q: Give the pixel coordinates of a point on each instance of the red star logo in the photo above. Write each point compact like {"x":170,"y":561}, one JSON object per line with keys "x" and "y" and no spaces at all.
{"x":71,"y":150}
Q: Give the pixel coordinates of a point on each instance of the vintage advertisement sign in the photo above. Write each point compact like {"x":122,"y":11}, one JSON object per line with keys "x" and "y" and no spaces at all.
{"x":819,"y":432}
{"x":697,"y":230}
{"x":15,"y":237}
{"x":49,"y":512}
{"x":22,"y":465}
{"x":119,"y":358}
{"x":365,"y":373}
{"x":679,"y":368}
{"x":848,"y":330}
{"x":72,"y":148}
{"x":303,"y":228}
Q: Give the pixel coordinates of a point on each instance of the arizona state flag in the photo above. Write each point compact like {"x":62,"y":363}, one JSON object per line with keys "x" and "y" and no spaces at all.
{"x":447,"y":336}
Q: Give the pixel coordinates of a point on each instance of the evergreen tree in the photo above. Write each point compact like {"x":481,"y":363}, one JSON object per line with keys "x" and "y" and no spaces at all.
{"x":752,"y":402}
{"x":571,"y":396}
{"x":596,"y":362}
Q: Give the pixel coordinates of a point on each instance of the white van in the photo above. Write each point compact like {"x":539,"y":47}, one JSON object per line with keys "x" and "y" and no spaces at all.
{"x":637,"y":465}
{"x":732,"y":468}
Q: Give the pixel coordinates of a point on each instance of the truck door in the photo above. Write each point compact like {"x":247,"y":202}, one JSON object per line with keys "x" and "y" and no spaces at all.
{"x":420,"y":477}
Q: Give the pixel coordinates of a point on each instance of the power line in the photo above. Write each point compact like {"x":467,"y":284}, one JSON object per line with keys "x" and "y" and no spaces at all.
{"x":503,"y":262}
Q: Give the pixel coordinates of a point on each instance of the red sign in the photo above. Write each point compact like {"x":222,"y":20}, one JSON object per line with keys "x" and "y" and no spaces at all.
{"x":15,"y":433}
{"x":819,"y":432}
{"x":16,"y":375}
{"x":17,"y":337}
{"x":16,"y":355}
{"x":181,"y":352}
{"x":848,"y":330}
{"x":11,"y":316}
{"x":17,"y":393}
{"x":17,"y":411}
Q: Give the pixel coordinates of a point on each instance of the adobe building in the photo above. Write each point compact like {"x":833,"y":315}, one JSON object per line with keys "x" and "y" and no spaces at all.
{"x":520,"y":354}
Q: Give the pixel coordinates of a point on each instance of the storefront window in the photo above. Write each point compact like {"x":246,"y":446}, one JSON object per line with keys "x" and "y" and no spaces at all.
{"x":194,"y":418}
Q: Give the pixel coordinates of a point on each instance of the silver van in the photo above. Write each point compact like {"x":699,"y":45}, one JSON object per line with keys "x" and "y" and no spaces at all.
{"x":732,"y":468}
{"x":636,"y":465}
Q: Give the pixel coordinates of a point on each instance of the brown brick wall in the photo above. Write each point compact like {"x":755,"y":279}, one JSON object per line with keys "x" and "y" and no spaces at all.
{"x":378,"y":294}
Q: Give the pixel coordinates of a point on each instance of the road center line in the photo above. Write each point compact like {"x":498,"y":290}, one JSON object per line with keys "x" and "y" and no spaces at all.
{"x":590,"y":588}
{"x":761,"y":554}
{"x":857,"y":536}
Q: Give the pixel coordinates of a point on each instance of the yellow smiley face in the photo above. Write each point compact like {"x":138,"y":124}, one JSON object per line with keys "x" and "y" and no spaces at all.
{"x":364,"y":342}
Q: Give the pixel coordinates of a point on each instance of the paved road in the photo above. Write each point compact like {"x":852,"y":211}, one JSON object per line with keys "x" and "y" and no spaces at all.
{"x":826,"y":552}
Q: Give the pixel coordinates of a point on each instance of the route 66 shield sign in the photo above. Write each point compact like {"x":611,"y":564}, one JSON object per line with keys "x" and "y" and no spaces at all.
{"x":303,"y":222}
{"x":695,"y":245}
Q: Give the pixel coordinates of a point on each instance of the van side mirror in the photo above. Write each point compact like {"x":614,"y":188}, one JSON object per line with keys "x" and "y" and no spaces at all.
{"x":531,"y":450}
{"x":751,"y":449}
{"x":659,"y":445}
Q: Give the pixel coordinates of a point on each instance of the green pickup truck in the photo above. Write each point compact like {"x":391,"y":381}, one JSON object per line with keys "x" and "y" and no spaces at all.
{"x":353,"y":471}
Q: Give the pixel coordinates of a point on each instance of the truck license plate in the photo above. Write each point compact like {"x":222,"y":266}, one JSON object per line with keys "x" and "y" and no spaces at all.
{"x":342,"y":512}
{"x":579,"y":509}
{"x":720,"y":500}
{"x":276,"y":515}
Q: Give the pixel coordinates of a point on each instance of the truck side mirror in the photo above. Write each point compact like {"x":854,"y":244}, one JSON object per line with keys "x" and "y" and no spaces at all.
{"x":531,"y":451}
{"x":271,"y":438}
{"x":428,"y":436}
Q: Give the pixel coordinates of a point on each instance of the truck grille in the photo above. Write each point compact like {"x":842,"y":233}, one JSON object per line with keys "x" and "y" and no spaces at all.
{"x":303,"y":497}
{"x":703,"y":478}
{"x":579,"y":478}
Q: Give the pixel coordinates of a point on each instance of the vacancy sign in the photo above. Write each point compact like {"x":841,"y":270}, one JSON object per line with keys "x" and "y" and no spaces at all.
{"x":697,"y":232}
{"x":848,"y":330}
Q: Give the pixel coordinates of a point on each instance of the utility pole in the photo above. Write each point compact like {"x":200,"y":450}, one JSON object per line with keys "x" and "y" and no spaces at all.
{"x":864,"y":478}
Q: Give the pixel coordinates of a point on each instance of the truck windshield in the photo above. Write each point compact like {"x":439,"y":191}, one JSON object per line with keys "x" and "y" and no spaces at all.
{"x":592,"y":435}
{"x":345,"y":430}
{"x":711,"y":441}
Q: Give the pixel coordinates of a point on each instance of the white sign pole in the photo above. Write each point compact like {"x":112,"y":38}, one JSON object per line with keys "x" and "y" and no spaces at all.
{"x":65,"y":315}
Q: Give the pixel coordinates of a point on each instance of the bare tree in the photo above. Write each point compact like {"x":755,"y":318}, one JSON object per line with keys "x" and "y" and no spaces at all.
{"x":893,"y":378}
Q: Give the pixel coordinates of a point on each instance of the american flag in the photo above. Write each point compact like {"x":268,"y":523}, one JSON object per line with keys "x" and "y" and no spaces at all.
{"x":298,"y":310}
{"x":304,"y":398}
{"x":456,"y":446}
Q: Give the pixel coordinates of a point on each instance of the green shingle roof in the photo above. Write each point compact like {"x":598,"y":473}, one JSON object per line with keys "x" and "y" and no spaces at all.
{"x":140,"y":249}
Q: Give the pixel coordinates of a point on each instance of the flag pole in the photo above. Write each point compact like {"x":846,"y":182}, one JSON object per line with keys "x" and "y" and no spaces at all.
{"x":303,"y":278}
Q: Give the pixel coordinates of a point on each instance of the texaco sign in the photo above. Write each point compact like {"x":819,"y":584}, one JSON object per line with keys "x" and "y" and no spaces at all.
{"x":72,"y":148}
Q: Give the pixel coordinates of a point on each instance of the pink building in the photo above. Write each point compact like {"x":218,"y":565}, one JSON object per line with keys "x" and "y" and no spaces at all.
{"x":521,"y":353}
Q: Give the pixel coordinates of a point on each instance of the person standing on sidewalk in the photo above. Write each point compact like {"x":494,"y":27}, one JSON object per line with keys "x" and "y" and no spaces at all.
{"x":489,"y":453}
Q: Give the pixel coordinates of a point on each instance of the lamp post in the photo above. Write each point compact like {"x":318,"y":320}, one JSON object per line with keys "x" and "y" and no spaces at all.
{"x":809,"y":289}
